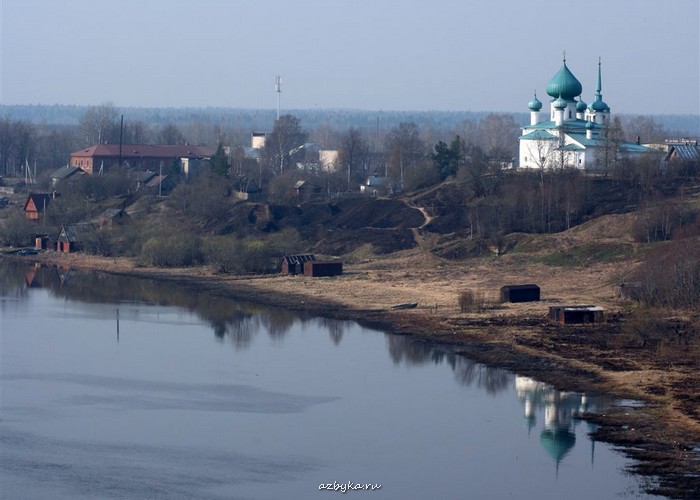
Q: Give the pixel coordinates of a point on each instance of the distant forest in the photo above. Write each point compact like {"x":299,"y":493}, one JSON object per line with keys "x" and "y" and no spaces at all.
{"x":340,"y":119}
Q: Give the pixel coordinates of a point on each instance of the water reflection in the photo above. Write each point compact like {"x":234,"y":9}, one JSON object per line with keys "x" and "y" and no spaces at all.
{"x":562,"y":411}
{"x":241,"y":323}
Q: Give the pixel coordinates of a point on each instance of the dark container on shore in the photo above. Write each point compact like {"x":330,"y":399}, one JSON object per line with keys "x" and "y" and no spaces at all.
{"x":520,"y":293}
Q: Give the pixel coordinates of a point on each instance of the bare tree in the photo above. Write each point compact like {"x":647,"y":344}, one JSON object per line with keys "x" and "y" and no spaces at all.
{"x":17,"y":143}
{"x":170,"y":134}
{"x":643,"y":128}
{"x":353,"y":155}
{"x":404,"y":148}
{"x":498,"y":134}
{"x":285,"y":136}
{"x":99,"y":124}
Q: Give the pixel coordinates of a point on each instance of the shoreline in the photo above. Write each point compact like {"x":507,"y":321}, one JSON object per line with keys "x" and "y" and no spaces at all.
{"x":663,"y":439}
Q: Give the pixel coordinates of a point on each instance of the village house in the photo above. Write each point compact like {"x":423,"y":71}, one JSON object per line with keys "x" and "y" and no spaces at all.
{"x":36,"y":204}
{"x":63,"y":173}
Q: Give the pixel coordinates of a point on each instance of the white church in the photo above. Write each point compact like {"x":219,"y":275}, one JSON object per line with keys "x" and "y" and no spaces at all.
{"x":574,"y":134}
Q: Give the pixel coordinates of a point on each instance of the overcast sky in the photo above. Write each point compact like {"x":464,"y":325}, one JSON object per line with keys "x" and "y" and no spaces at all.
{"x":454,"y":55}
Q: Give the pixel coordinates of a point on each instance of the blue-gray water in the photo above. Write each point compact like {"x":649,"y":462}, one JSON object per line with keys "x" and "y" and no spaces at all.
{"x":122,"y":388}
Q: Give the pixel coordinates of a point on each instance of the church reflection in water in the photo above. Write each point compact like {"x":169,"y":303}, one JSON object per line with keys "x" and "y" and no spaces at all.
{"x":562,"y":411}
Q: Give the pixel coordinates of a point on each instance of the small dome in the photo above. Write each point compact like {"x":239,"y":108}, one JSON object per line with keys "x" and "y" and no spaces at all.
{"x":581,"y":106}
{"x":590,"y":126}
{"x":564,"y":84}
{"x":535,"y":104}
{"x":559,"y":103}
{"x":599,"y":105}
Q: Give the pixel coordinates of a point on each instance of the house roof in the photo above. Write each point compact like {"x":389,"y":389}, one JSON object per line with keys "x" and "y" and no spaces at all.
{"x":65,"y":172}
{"x":73,"y":232}
{"x":155,"y":181}
{"x":298,"y":259}
{"x":38,"y":200}
{"x":684,"y":152}
{"x":144,"y":176}
{"x":146,"y":151}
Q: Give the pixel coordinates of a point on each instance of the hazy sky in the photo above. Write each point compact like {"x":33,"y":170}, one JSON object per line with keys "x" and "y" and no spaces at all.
{"x":457,"y":55}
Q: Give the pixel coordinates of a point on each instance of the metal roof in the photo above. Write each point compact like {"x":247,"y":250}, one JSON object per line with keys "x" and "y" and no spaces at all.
{"x":146,"y":151}
{"x":65,"y":172}
{"x":685,"y":152}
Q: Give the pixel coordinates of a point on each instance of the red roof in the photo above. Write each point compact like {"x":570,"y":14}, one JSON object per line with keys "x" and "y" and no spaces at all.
{"x":147,"y":151}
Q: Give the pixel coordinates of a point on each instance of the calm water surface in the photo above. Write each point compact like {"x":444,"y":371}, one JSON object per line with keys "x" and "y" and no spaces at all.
{"x":125,"y":388}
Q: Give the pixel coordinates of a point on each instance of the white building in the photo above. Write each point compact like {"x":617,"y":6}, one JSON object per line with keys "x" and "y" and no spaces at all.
{"x":573,"y":134}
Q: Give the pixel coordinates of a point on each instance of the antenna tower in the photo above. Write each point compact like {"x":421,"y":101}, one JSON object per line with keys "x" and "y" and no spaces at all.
{"x":278,"y":89}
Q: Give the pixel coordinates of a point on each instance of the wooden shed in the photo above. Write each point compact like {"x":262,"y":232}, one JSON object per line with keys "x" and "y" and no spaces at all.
{"x":72,"y":236}
{"x":317,"y":269}
{"x":520,"y":293}
{"x":577,"y":314}
{"x":294,"y":264}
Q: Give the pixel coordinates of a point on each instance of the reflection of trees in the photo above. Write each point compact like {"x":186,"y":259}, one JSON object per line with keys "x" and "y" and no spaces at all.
{"x":277,"y":322}
{"x":407,"y":350}
{"x":240,"y":327}
{"x":494,"y":380}
{"x":226,"y":317}
{"x":336,"y":328}
{"x":13,"y":280}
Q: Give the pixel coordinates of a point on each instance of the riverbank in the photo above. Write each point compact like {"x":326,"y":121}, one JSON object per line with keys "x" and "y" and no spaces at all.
{"x":613,"y":357}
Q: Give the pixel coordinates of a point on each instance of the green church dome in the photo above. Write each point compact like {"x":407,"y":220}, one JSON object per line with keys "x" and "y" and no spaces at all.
{"x":581,"y":106}
{"x":564,"y":84}
{"x":599,"y":105}
{"x":559,"y":103}
{"x":535,"y":104}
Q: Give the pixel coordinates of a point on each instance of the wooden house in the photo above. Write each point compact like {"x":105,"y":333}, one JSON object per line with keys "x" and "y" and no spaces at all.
{"x":317,"y":269}
{"x":577,"y":314}
{"x":36,"y":204}
{"x":520,"y":293}
{"x":294,"y":264}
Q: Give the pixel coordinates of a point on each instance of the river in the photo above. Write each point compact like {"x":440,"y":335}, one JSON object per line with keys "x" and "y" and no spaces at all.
{"x":125,"y":388}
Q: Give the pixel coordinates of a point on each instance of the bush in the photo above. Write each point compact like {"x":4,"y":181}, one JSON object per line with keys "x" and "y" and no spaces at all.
{"x":241,"y":256}
{"x":17,"y":230}
{"x":670,"y":277}
{"x":171,"y":251}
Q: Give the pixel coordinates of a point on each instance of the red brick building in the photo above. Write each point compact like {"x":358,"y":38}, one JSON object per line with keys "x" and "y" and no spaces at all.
{"x":137,"y":156}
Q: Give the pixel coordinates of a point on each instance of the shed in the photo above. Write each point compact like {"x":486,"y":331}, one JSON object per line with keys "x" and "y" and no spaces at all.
{"x":72,"y":236}
{"x":294,"y":264}
{"x":520,"y":293}
{"x":317,"y":269}
{"x":577,"y":314}
{"x":111,"y":217}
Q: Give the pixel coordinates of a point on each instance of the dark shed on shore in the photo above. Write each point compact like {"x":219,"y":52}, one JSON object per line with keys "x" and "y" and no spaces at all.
{"x":577,"y":314}
{"x":520,"y":293}
{"x":294,"y":264}
{"x":317,"y":269}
